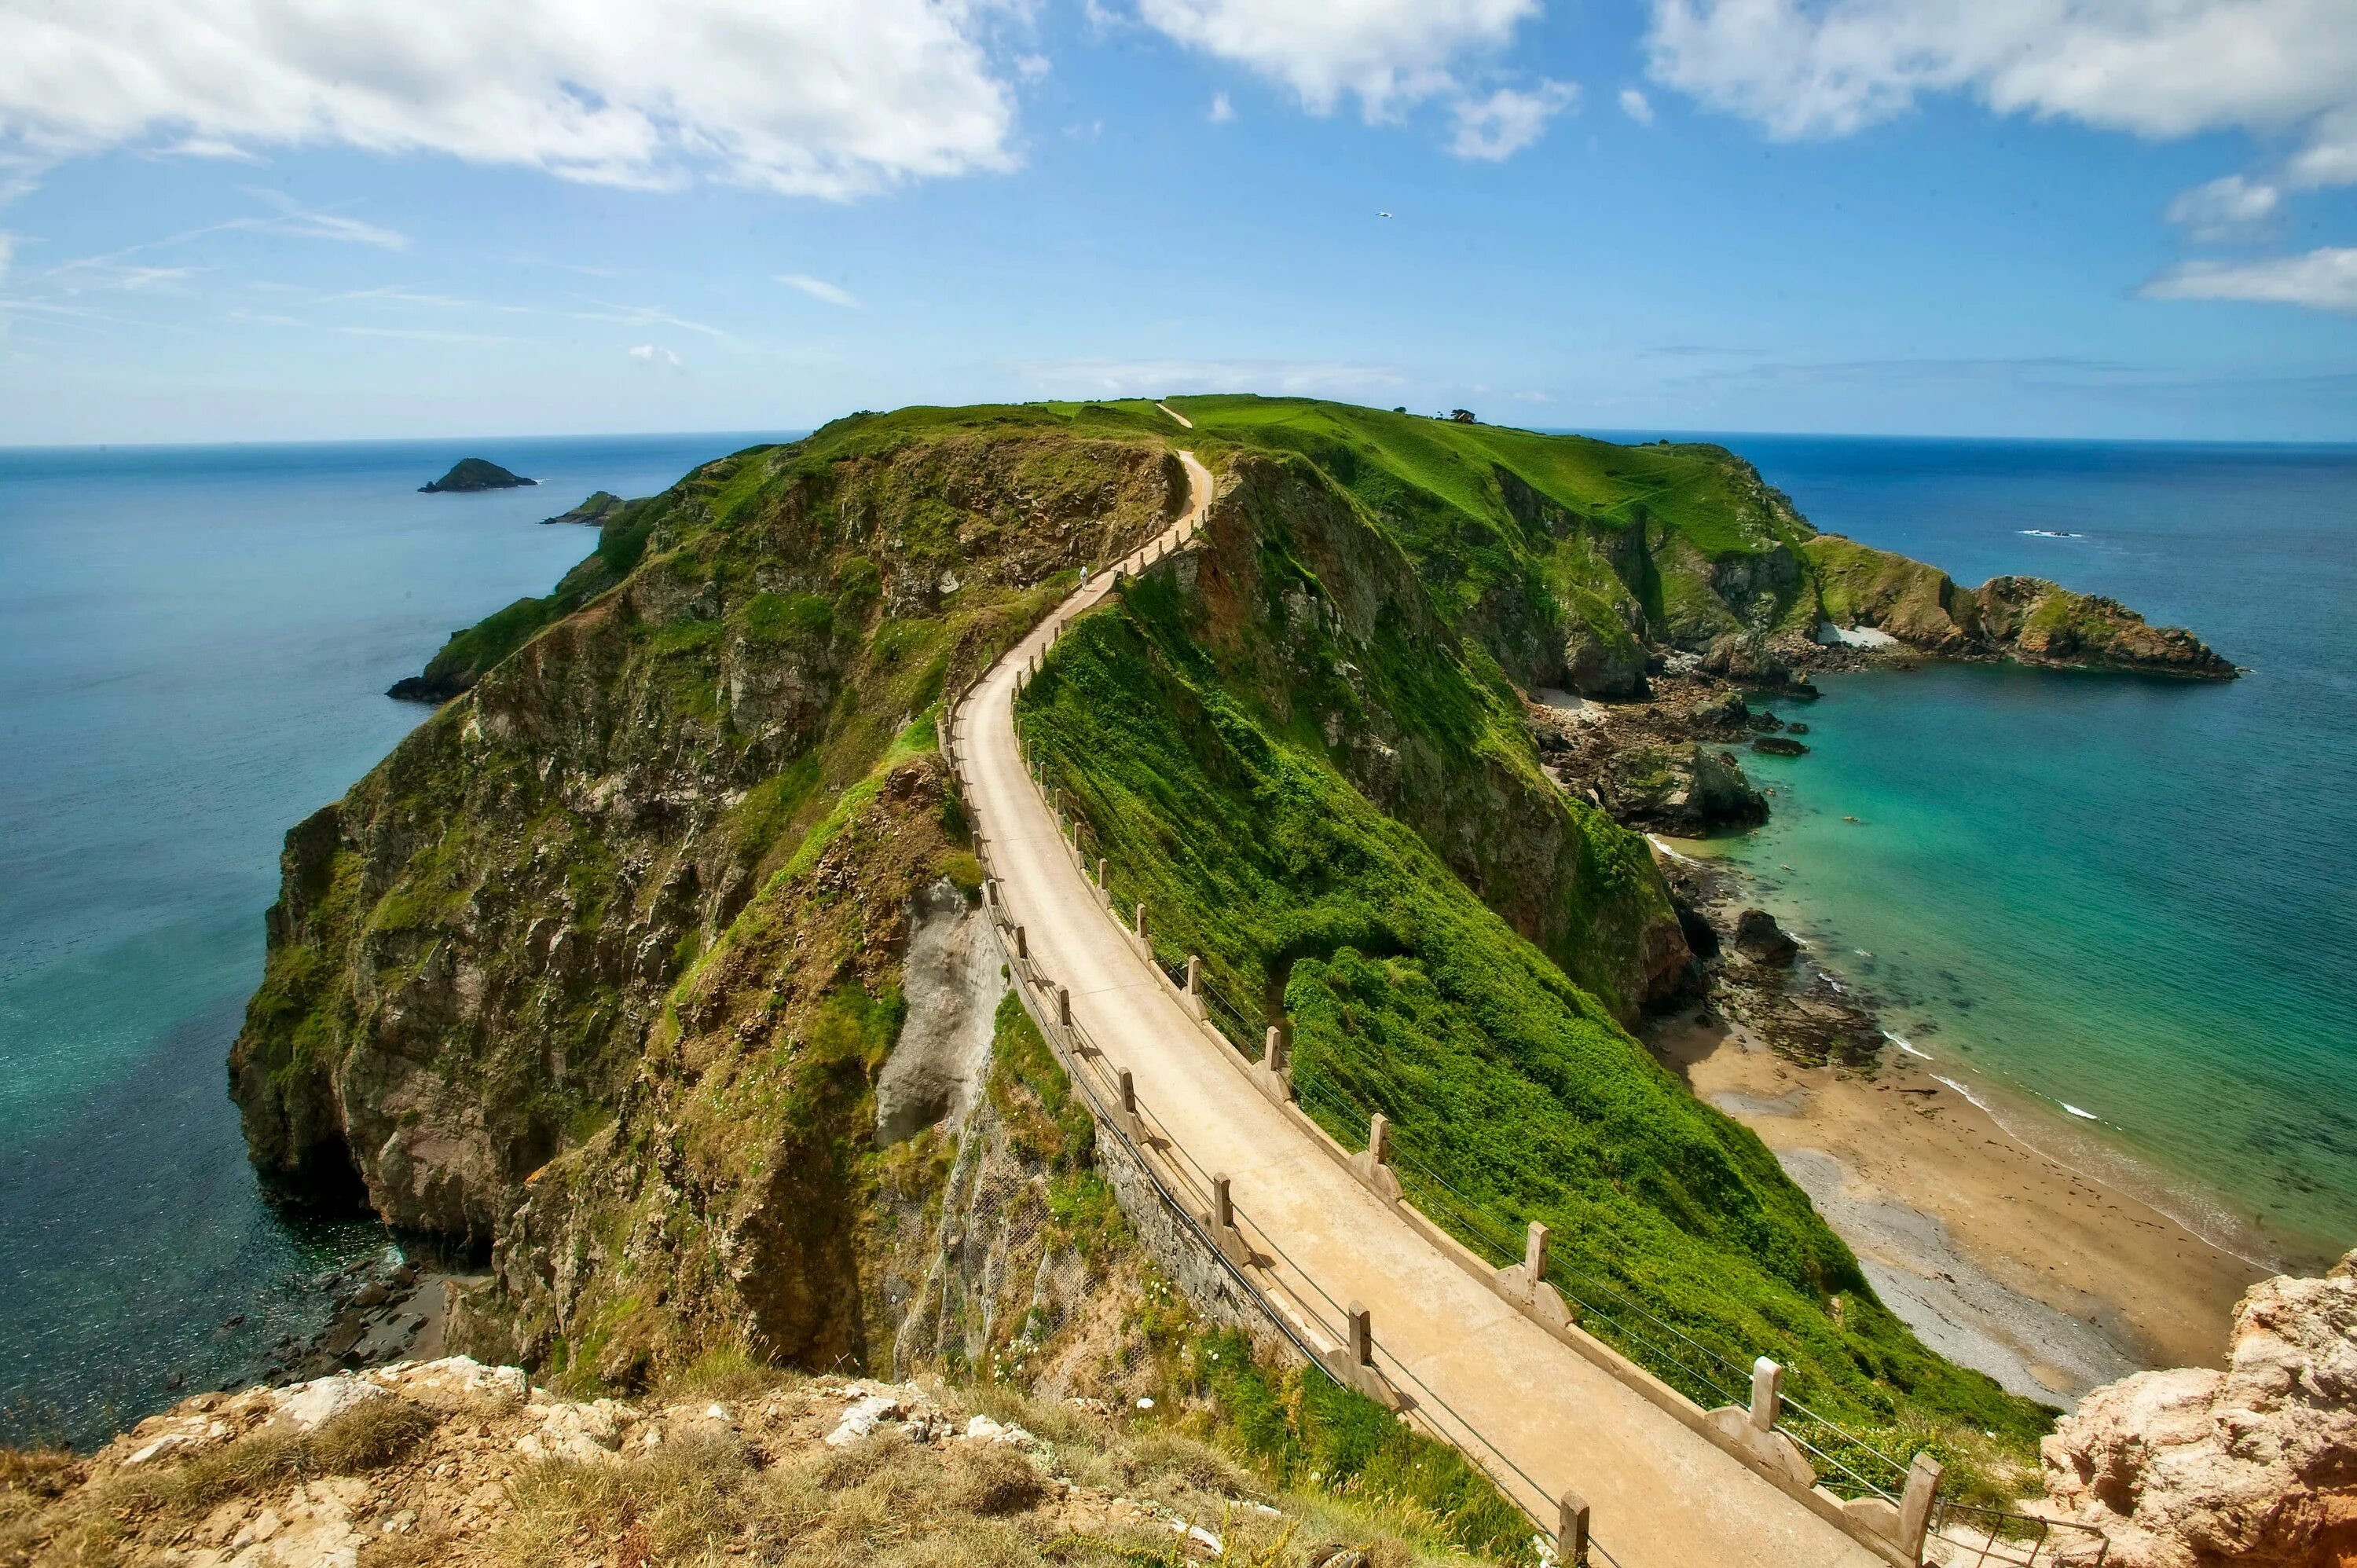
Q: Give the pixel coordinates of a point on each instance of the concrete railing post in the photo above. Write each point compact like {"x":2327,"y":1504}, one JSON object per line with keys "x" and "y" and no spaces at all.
{"x":1272,"y":1055}
{"x":1141,"y":922}
{"x":1571,"y":1532}
{"x":1767,"y":1394}
{"x":1379,"y":1138}
{"x":1363,"y":1336}
{"x":1223,"y":1204}
{"x":1102,"y":870}
{"x":1915,"y":1505}
{"x":1535,"y":1251}
{"x":1064,"y":1006}
{"x":1129,"y":1092}
{"x":1022,"y":944}
{"x":1195,"y":981}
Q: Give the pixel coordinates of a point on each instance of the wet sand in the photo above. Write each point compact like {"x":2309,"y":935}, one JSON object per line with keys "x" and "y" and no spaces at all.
{"x":1997,"y":1255}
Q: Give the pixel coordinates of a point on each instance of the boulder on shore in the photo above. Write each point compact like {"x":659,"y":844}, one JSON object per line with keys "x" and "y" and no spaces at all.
{"x":1687,"y":789}
{"x":2255,"y":1467}
{"x":475,"y":474}
{"x":1722,"y":710}
{"x":1758,"y":936}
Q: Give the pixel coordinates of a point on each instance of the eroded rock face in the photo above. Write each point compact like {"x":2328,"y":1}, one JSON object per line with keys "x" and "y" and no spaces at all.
{"x":2255,"y":1467}
{"x":555,"y":981}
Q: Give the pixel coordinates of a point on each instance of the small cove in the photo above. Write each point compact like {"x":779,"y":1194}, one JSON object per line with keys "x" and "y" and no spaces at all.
{"x":2116,"y":908}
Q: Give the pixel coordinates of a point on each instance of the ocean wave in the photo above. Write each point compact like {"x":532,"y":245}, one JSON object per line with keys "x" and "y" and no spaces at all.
{"x":1908,"y":1046}
{"x":2083,"y":1116}
{"x":1655,"y":840}
{"x":1967,"y":1094}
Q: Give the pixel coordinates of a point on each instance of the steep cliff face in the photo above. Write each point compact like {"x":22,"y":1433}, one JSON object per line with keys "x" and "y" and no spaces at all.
{"x":1326,"y":624}
{"x":600,"y":963}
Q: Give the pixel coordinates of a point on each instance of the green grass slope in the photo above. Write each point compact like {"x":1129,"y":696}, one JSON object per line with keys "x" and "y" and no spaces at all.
{"x":1210,"y":782}
{"x":1549,"y":546}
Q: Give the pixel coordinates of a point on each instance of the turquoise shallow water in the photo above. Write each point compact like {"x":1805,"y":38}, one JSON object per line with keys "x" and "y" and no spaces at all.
{"x":195,"y":644}
{"x":2136,"y":898}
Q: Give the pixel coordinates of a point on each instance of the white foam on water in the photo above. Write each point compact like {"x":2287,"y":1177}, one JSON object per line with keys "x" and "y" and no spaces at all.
{"x":1907,"y":1045}
{"x":1967,"y":1094}
{"x":2197,"y":1215}
{"x":1655,"y":840}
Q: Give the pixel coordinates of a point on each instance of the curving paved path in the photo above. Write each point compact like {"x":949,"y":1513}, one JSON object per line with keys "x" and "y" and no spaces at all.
{"x":1662,"y":1496}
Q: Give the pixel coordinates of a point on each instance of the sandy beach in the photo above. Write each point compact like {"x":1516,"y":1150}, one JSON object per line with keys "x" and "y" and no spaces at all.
{"x":2000,"y":1256}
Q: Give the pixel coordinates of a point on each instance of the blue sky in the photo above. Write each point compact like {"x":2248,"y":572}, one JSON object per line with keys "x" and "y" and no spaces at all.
{"x":322,"y":221}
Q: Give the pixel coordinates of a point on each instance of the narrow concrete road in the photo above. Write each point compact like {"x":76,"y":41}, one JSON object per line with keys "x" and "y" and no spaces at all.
{"x":1663,"y":1497}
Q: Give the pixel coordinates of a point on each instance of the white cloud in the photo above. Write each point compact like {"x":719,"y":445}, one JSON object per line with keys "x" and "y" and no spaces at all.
{"x":422,"y":335}
{"x":308,"y":223}
{"x":2330,"y":155}
{"x":654,"y":354}
{"x":1503,"y":124}
{"x":646,"y":315}
{"x":1222,"y":109}
{"x":820,"y":289}
{"x":7,"y":253}
{"x":2156,"y":68}
{"x":164,"y":279}
{"x":399,"y":293}
{"x":1155,"y":378}
{"x":829,"y":98}
{"x":1635,"y":105}
{"x":2322,"y":279}
{"x":2229,"y":209}
{"x":208,"y":147}
{"x":1387,"y":53}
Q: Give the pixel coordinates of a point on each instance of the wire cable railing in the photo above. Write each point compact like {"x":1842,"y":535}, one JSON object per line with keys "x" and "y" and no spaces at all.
{"x":1965,"y":1536}
{"x":1194,"y":1196}
{"x":1086,"y":1063}
{"x":1182,"y":1184}
{"x":1844,"y":1461}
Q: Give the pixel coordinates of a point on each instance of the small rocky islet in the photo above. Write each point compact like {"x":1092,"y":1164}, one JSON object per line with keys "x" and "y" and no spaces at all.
{"x":471,"y":474}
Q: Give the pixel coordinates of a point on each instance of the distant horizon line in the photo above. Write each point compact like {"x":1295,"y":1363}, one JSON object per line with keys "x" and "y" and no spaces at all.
{"x":1634,"y":434}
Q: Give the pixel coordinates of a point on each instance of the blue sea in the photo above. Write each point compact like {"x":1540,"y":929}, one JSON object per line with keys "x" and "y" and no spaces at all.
{"x":2119,"y":910}
{"x":2133,"y":896}
{"x":194,"y":647}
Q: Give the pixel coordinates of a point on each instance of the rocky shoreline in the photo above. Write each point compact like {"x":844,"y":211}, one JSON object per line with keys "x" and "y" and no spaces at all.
{"x":2095,"y":1285}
